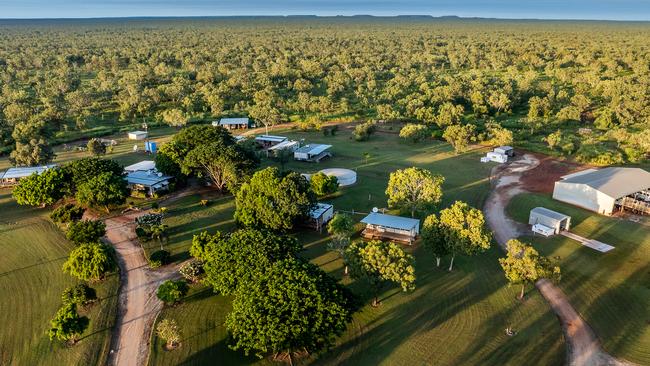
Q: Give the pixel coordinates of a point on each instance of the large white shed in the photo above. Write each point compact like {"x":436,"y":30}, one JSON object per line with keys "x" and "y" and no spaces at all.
{"x":603,"y":190}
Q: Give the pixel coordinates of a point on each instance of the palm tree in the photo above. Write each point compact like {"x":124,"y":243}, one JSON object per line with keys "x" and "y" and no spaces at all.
{"x":159,"y":232}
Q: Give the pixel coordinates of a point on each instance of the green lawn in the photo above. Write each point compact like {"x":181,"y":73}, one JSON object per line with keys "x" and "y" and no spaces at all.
{"x":451,"y":318}
{"x":609,"y":289}
{"x":31,"y":283}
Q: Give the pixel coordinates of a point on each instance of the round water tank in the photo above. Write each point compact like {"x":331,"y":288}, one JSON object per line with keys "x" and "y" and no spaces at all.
{"x":346,"y":177}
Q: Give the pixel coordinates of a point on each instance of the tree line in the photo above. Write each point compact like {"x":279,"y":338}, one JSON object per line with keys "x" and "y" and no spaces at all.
{"x":544,"y":81}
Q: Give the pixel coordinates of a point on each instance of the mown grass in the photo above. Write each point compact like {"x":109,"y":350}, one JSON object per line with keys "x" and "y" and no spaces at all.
{"x":450,"y":319}
{"x":609,"y":289}
{"x":31,"y":283}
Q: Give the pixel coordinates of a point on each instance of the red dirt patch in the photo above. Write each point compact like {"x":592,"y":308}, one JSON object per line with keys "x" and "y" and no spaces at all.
{"x":542,"y":178}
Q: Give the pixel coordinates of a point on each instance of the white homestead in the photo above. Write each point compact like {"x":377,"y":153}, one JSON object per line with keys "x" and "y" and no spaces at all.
{"x":389,"y":227}
{"x":606,"y":189}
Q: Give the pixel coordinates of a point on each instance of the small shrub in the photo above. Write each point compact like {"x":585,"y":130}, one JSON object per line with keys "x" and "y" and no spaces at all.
{"x":81,"y":295}
{"x":67,"y":213}
{"x":167,"y":330}
{"x":170,"y":291}
{"x":155,"y":206}
{"x":334,"y":130}
{"x":159,"y":258}
{"x":192,"y":270}
{"x":141,"y":233}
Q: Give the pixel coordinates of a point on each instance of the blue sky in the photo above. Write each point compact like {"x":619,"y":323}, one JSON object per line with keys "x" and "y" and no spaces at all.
{"x":544,"y":9}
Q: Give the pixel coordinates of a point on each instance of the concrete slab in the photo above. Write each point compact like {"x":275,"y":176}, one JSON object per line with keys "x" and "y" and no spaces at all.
{"x":593,"y":244}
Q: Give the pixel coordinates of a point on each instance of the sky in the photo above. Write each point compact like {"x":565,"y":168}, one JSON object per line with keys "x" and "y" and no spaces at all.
{"x":530,"y":9}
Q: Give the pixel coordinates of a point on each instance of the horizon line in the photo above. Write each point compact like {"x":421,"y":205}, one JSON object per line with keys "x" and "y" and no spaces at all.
{"x":451,"y":16}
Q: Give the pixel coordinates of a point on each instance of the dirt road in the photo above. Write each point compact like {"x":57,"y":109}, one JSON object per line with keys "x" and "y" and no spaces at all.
{"x":583,"y":347}
{"x":138,"y":305}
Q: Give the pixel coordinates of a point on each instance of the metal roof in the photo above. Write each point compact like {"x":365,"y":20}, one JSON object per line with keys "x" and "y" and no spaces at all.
{"x":395,"y":222}
{"x":234,"y":121}
{"x":549,"y":213}
{"x":319,"y":210}
{"x":614,"y":182}
{"x":21,"y":172}
{"x":138,"y":132}
{"x":284,"y":145}
{"x":270,"y":138}
{"x":146,"y":178}
{"x":143,"y":165}
{"x":313,"y":149}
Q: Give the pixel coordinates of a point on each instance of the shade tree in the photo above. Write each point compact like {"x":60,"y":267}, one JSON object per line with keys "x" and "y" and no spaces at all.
{"x":293,"y":308}
{"x":272,"y":200}
{"x":464,"y":231}
{"x":235,"y":259}
{"x":524,"y":265}
{"x":103,"y":190}
{"x":90,"y":261}
{"x":414,"y":189}
{"x":341,"y":228}
{"x":381,"y":262}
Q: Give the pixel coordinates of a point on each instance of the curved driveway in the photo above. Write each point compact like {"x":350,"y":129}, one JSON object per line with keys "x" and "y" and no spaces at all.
{"x":583,"y":347}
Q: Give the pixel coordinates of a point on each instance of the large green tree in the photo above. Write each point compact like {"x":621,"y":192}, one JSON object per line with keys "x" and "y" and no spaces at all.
{"x":237,"y":258}
{"x":380,"y":262}
{"x":104,"y":190}
{"x":273,"y":201}
{"x":523,"y":265}
{"x":84,"y":169}
{"x":464,"y":230}
{"x":41,"y":189}
{"x":414,"y":189}
{"x":292,"y":308}
{"x":226,"y":166}
{"x":90,"y":261}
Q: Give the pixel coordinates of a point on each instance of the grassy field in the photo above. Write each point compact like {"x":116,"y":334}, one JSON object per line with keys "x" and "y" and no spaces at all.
{"x":31,"y":282}
{"x":451,"y":318}
{"x":609,"y":289}
{"x":122,"y":153}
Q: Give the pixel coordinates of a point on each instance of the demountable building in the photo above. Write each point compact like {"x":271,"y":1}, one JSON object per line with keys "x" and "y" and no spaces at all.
{"x":138,"y":135}
{"x":496,"y":157}
{"x":233,"y":123}
{"x":285,"y":145}
{"x":312,"y":152}
{"x":13,"y":175}
{"x":389,"y":227}
{"x":505,"y":150}
{"x":320,"y":215}
{"x":546,"y":221}
{"x":267,"y":141}
{"x":605,"y":190}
